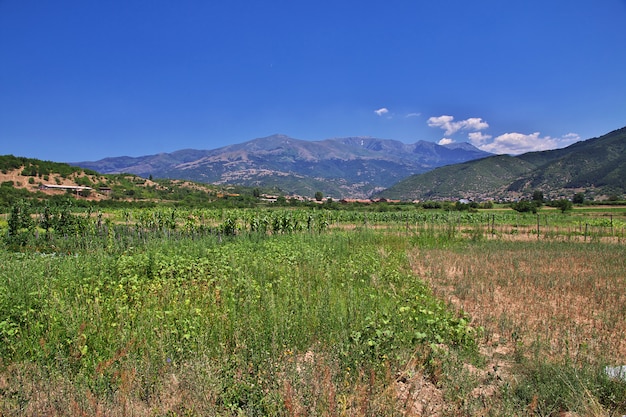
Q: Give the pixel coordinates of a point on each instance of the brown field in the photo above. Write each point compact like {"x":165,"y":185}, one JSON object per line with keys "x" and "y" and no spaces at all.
{"x":558,"y":301}
{"x":570,"y":299}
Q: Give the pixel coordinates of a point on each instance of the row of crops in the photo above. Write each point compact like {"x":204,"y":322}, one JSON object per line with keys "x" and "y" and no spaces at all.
{"x":44,"y":227}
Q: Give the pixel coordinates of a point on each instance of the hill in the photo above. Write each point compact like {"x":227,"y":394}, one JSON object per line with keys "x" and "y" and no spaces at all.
{"x":26,"y":178}
{"x":596,"y":167}
{"x":343,"y":167}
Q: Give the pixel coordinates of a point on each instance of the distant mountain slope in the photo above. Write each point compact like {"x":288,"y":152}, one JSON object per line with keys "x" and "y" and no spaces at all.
{"x":596,"y":166}
{"x":343,"y":167}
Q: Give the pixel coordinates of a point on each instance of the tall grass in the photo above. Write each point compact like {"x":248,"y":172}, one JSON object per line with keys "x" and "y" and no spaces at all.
{"x":247,"y":325}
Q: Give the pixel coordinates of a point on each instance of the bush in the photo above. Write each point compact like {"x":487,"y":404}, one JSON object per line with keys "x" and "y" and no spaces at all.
{"x":525,"y":206}
{"x":579,"y":198}
{"x":563,"y":205}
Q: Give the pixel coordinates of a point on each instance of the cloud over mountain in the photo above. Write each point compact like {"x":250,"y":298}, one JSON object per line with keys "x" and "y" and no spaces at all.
{"x":513,"y":143}
{"x":518,"y":143}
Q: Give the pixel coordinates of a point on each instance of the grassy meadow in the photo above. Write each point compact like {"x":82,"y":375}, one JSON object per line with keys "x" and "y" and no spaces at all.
{"x":297,"y":312}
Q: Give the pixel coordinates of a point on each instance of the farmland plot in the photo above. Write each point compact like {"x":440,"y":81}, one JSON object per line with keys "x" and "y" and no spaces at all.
{"x":298,"y":312}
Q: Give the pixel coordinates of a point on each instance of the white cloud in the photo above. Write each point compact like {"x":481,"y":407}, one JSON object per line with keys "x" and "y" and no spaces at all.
{"x":444,"y":122}
{"x":474,"y":123}
{"x":513,"y":143}
{"x":571,"y":138}
{"x":381,"y":111}
{"x":478,"y":139}
{"x":451,"y":127}
{"x":413,"y":115}
{"x":518,"y":143}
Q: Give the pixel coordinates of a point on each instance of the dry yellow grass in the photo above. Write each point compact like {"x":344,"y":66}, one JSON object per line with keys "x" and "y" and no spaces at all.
{"x":566,"y":299}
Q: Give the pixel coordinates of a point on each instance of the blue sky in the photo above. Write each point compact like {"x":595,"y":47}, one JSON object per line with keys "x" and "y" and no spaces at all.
{"x":86,"y":79}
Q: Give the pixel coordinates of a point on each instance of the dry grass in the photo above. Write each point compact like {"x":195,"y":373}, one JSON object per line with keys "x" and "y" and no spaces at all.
{"x":549,"y":309}
{"x":568,"y":299}
{"x":309,"y":385}
{"x":27,"y":390}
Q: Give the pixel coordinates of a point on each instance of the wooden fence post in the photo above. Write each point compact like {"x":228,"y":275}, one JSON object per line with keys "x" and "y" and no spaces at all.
{"x":538,"y":221}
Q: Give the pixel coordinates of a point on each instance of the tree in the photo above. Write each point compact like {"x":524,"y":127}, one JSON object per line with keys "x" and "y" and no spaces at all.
{"x":538,"y":197}
{"x":563,"y":204}
{"x":525,"y":206}
{"x":19,"y":224}
{"x":579,"y":198}
{"x":319,"y":196}
{"x":461,"y":206}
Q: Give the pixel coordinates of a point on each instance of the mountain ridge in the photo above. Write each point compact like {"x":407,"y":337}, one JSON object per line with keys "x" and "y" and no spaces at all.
{"x":596,"y":167}
{"x":340,"y":167}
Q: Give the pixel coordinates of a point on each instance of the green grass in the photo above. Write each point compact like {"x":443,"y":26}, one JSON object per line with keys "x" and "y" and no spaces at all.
{"x":248,"y":310}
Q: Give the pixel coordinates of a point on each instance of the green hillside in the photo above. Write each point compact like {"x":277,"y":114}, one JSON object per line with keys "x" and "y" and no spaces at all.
{"x":598,"y":163}
{"x":596,"y":167}
{"x":484,"y":177}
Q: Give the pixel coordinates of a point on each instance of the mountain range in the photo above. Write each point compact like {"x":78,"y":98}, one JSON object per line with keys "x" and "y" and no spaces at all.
{"x":355,"y":167}
{"x":596,"y":167}
{"x":364,"y":167}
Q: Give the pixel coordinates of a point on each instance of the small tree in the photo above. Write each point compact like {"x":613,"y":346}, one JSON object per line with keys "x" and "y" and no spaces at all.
{"x":525,"y":206}
{"x":563,"y":204}
{"x":19,"y":223}
{"x":319,"y":196}
{"x":579,"y":198}
{"x":461,"y":206}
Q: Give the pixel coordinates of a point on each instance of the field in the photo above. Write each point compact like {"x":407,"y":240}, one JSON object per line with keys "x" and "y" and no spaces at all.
{"x":294,"y":312}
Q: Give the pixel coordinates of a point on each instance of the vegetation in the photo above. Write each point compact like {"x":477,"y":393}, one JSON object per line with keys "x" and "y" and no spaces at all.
{"x":122,"y":190}
{"x":563,"y":204}
{"x":525,"y":206}
{"x":293,"y":311}
{"x":37,"y":168}
{"x":111,"y":312}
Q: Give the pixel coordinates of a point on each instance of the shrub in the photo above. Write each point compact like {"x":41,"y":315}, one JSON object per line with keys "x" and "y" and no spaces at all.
{"x":525,"y":206}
